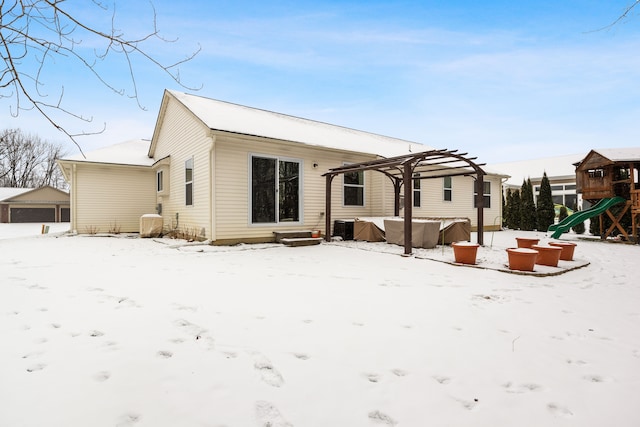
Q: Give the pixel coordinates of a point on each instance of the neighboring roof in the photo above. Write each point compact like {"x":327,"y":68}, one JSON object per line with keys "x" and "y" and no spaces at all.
{"x":130,"y":153}
{"x":11,"y":193}
{"x":228,"y":117}
{"x":7,"y":193}
{"x":558,"y":167}
{"x":619,"y":154}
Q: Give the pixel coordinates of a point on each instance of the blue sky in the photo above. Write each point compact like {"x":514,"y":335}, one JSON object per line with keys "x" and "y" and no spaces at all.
{"x":501,"y":80}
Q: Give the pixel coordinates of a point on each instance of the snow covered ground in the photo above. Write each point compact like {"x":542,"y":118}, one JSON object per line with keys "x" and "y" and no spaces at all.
{"x":122,"y":331}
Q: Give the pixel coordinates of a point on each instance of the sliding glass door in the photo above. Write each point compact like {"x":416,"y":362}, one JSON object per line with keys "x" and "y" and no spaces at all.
{"x":275,"y":190}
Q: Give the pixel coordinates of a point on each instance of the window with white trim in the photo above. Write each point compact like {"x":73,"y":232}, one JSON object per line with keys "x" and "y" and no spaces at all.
{"x":447,"y":189}
{"x":159,"y":181}
{"x":486,"y":193}
{"x":188,"y":182}
{"x":416,"y":190}
{"x":353,"y":188}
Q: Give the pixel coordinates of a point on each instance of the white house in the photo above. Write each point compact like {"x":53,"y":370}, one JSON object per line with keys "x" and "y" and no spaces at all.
{"x":230,"y":173}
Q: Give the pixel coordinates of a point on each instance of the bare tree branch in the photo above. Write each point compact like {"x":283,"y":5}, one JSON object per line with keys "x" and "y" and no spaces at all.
{"x":622,"y":17}
{"x":45,"y":33}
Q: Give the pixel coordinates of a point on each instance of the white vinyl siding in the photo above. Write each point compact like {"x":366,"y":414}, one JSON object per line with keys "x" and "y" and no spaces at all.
{"x":109,"y":198}
{"x":433,"y":206}
{"x":232,"y":185}
{"x":182,"y":137}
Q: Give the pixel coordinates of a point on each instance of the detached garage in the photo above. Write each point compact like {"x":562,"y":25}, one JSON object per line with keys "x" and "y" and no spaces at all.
{"x":44,"y":204}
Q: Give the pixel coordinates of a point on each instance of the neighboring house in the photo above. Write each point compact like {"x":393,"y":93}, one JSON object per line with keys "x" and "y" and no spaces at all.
{"x":561,"y":173}
{"x":230,"y":173}
{"x":44,"y":204}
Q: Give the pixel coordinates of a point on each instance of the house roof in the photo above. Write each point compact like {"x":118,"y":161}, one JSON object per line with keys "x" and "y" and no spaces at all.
{"x":7,"y":193}
{"x":129,"y":153}
{"x":229,"y":117}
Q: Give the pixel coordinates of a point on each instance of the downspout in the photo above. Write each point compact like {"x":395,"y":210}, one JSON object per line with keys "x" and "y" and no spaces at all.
{"x":212,"y":192}
{"x":74,"y":199}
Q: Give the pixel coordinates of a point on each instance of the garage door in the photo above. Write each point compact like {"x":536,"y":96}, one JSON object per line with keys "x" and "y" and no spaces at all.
{"x":65,"y":215}
{"x":32,"y":214}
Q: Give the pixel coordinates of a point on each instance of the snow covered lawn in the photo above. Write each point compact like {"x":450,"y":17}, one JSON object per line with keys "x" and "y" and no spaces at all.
{"x":118,"y":331}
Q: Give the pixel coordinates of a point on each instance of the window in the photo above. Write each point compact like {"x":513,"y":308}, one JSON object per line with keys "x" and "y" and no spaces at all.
{"x":160,"y":181}
{"x":571,"y":200}
{"x":353,"y":193}
{"x":275,"y":190}
{"x":447,"y":189}
{"x":596,"y":173}
{"x":188,"y":182}
{"x":486,"y":194}
{"x":416,"y":190}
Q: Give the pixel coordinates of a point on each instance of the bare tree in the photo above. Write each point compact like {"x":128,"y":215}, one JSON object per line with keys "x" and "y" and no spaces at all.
{"x":28,"y":162}
{"x":46,"y":32}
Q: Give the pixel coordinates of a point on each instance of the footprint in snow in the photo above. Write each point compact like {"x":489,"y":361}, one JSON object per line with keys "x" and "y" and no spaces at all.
{"x":37,"y":367}
{"x":128,"y":420}
{"x":164,"y":354}
{"x":559,"y":411}
{"x":268,"y":373}
{"x":301,"y":356}
{"x":102,"y":376}
{"x":269,"y":415}
{"x":382,"y":418}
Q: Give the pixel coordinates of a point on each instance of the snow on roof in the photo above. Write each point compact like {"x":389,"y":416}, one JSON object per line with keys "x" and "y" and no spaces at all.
{"x":225,"y":116}
{"x":132,"y":153}
{"x":11,"y":192}
{"x":560,"y":166}
{"x":619,"y":154}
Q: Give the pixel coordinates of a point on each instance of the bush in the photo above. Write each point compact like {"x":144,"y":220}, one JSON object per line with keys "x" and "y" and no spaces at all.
{"x":545,"y":212}
{"x":527,"y":207}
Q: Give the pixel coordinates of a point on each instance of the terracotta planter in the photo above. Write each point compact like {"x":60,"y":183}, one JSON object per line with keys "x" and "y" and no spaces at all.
{"x":465,"y":252}
{"x":548,"y":255}
{"x":522,"y":259}
{"x":567,"y":250}
{"x":526,"y":242}
{"x":315,"y":233}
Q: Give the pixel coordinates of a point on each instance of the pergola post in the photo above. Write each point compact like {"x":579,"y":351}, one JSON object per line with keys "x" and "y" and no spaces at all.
{"x":396,"y":202}
{"x":327,"y":204}
{"x":408,"y":207}
{"x":480,"y":208}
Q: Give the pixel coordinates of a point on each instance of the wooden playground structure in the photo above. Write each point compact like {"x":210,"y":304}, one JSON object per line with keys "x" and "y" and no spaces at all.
{"x":612,"y":175}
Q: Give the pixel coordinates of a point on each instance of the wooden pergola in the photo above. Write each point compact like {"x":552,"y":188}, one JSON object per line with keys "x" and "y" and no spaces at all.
{"x":402,"y":170}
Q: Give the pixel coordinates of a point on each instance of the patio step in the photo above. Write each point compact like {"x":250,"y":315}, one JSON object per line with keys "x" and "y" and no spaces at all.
{"x":291,"y":234}
{"x":300,"y":241}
